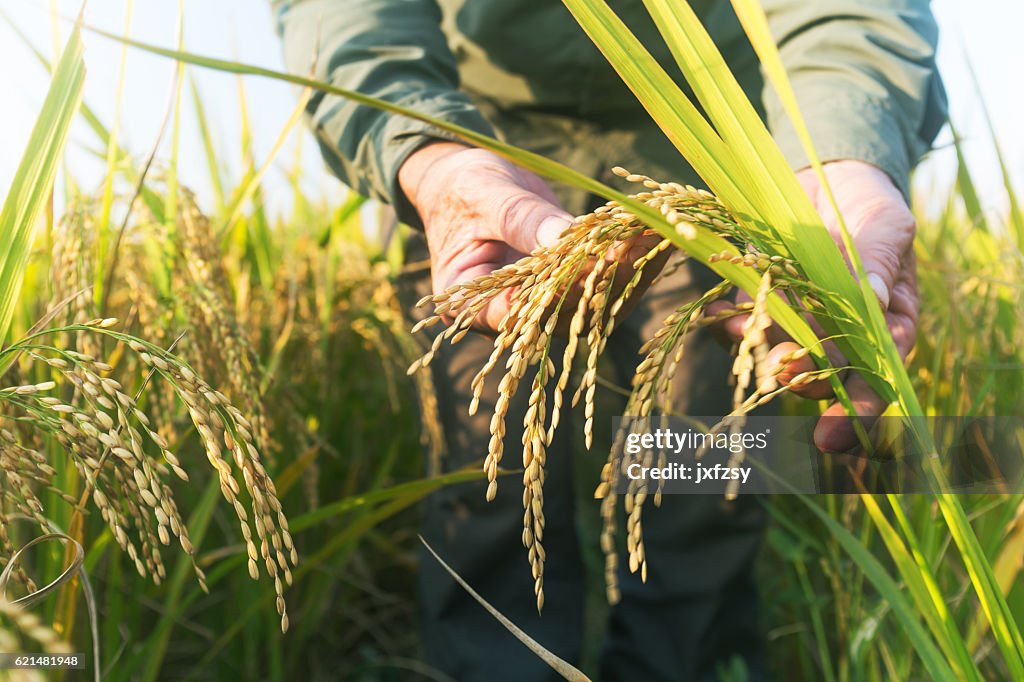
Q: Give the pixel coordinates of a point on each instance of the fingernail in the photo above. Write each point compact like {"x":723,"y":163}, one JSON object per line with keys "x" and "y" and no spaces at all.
{"x":880,"y":289}
{"x":551,"y":229}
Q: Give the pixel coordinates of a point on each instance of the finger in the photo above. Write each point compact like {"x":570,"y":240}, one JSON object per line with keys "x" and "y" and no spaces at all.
{"x":627,"y":254}
{"x":636,"y":247}
{"x":903,"y":311}
{"x":493,"y":314}
{"x":734,"y":326}
{"x":720,"y":331}
{"x":835,"y":431}
{"x":525,"y":220}
{"x":729,"y":330}
{"x":882,"y":227}
{"x":784,"y":365}
{"x":888,"y":232}
{"x":624,"y":255}
{"x":787,"y":368}
{"x":478,"y":259}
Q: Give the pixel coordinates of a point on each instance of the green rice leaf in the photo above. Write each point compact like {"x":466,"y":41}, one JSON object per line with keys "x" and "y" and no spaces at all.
{"x":35,"y":176}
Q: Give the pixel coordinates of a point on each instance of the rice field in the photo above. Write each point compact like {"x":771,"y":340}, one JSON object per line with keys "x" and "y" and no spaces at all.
{"x":216,"y":423}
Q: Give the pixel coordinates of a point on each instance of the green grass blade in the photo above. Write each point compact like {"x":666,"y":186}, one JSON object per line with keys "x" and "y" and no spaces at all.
{"x":250,"y":189}
{"x":1006,"y":567}
{"x":934,"y":662}
{"x":92,"y":120}
{"x":381,"y":503}
{"x":212,"y":162}
{"x":171,"y":193}
{"x":329,"y":552}
{"x":765,"y":175}
{"x":917,"y":575}
{"x":965,"y":184}
{"x":419,"y":488}
{"x":34,"y":179}
{"x":979,"y":569}
{"x":104,"y":234}
{"x":198,"y":524}
{"x":1016,"y":216}
{"x":666,"y":103}
{"x":252,"y":234}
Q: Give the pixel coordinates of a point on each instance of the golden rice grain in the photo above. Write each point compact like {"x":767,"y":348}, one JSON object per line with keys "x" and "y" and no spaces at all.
{"x":582,"y":268}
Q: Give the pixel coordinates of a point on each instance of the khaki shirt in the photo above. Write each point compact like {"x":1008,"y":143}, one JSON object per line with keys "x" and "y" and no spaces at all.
{"x":863,"y":70}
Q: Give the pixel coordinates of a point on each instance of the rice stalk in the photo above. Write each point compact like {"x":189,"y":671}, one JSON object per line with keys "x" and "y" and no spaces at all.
{"x":581,"y":278}
{"x":126,"y":464}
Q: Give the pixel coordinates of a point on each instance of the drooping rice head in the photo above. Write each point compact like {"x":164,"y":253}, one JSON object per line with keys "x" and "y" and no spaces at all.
{"x":577,"y":286}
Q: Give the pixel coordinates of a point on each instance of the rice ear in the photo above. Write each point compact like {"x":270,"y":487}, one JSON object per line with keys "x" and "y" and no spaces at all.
{"x":582,"y":269}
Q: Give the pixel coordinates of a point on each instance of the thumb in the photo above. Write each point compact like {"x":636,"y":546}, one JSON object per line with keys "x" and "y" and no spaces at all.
{"x":527,"y":221}
{"x":882,"y":234}
{"x":880,"y":221}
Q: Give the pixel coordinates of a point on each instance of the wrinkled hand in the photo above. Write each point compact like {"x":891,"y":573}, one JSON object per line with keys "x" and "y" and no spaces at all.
{"x":882,"y":227}
{"x":481,"y":212}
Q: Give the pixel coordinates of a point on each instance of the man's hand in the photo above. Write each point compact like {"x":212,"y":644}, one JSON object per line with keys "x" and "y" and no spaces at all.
{"x":481,"y":212}
{"x":883,"y":229}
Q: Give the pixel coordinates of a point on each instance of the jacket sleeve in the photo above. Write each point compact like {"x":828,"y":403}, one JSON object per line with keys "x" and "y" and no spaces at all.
{"x":865,"y":78}
{"x":390,"y":49}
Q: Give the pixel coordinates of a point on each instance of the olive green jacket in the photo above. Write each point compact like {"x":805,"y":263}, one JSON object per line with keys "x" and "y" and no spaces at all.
{"x":863,"y":70}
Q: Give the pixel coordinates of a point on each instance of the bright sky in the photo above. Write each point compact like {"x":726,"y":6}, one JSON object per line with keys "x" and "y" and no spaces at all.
{"x":987,"y":30}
